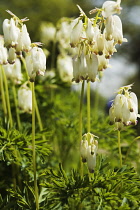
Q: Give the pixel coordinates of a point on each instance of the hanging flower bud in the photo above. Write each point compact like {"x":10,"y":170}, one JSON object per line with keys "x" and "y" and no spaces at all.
{"x":118,"y":32}
{"x":64,"y":65}
{"x":110,"y":8}
{"x":109,"y":26}
{"x":76,"y":70}
{"x":83,"y":67}
{"x":13,"y":71}
{"x":11,"y":55}
{"x":91,"y":158}
{"x":118,"y":103}
{"x":89,"y":32}
{"x":11,"y":32}
{"x":76,"y":32}
{"x":83,"y":150}
{"x":92,"y":66}
{"x":35,"y":62}
{"x":24,"y":41}
{"x":124,"y":110}
{"x":3,"y":55}
{"x":100,"y":39}
{"x":103,"y":62}
{"x":25,"y":99}
{"x":109,"y":48}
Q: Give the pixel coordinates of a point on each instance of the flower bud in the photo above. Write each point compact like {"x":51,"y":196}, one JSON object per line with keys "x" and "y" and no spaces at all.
{"x":91,"y":158}
{"x":3,"y":55}
{"x":110,"y":8}
{"x":76,"y":32}
{"x":35,"y":62}
{"x":64,"y":65}
{"x":92,"y":66}
{"x":109,"y":28}
{"x":11,"y":55}
{"x":25,"y":99}
{"x":76,"y":69}
{"x":89,"y":31}
{"x":83,"y":150}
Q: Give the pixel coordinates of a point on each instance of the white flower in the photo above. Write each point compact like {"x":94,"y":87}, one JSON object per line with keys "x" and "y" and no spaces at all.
{"x":83,"y":150}
{"x":118,"y":103}
{"x":118,"y":32}
{"x":48,"y":32}
{"x":13,"y":71}
{"x":65,"y":68}
{"x":103,"y":62}
{"x":83,"y":67}
{"x":100,"y":39}
{"x":92,"y":66}
{"x":91,"y":158}
{"x":124,"y":110}
{"x":111,"y":7}
{"x":109,"y":26}
{"x":35,"y":62}
{"x":11,"y":32}
{"x":76,"y":69}
{"x":109,"y":48}
{"x":76,"y":32}
{"x":11,"y":55}
{"x":25,"y":99}
{"x":89,"y":31}
{"x":3,"y":55}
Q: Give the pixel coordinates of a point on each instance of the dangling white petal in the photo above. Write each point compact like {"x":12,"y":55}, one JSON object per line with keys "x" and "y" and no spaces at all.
{"x":83,"y":150}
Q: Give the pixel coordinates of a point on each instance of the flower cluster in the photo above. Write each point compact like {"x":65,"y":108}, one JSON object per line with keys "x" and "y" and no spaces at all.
{"x":95,"y":40}
{"x":88,"y":151}
{"x":124,"y":109}
{"x":16,"y":41}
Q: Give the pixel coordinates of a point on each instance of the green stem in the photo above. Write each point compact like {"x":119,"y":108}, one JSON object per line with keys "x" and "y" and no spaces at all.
{"x":119,"y":147}
{"x":3,"y":94}
{"x":33,"y":146}
{"x":80,"y":122}
{"x":80,"y":111}
{"x":88,"y":107}
{"x":7,"y":98}
{"x":16,"y":107}
{"x":36,"y":106}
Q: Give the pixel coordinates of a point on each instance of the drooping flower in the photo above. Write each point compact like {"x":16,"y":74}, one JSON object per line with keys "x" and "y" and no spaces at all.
{"x":65,"y":68}
{"x":110,"y":8}
{"x":11,"y":32}
{"x":25,"y":99}
{"x":83,"y":150}
{"x":76,"y":32}
{"x":88,"y":150}
{"x":13,"y":71}
{"x":35,"y":62}
{"x":124,"y":110}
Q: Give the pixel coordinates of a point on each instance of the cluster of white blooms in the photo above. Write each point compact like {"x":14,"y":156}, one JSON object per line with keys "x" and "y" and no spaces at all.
{"x":16,"y":37}
{"x":88,"y":151}
{"x":25,"y":98}
{"x":13,"y":72}
{"x":95,"y":40}
{"x":17,"y":40}
{"x":124,"y":109}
